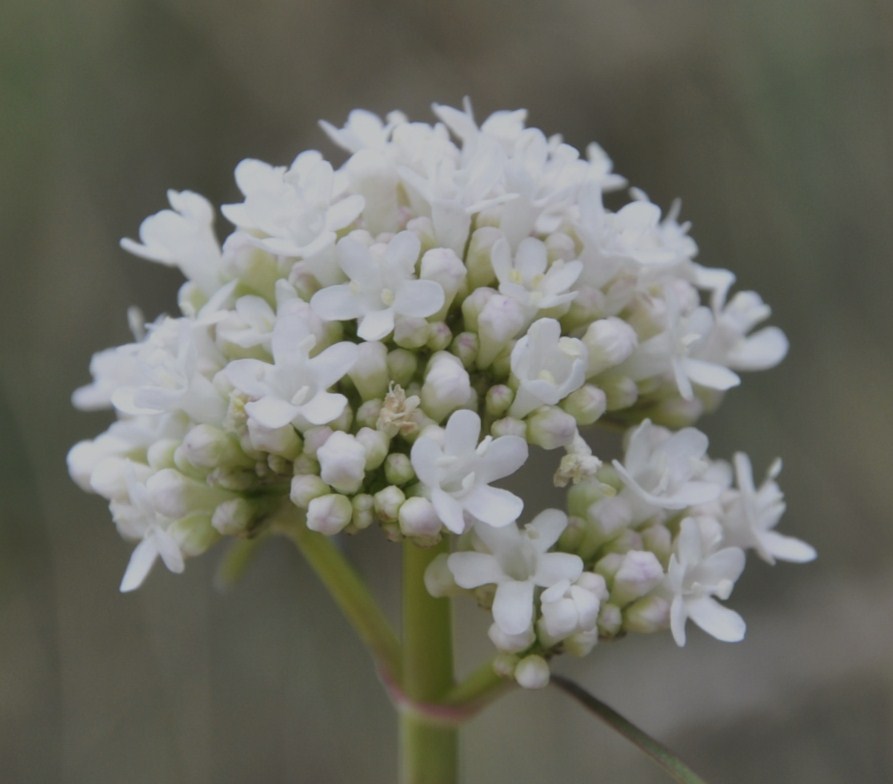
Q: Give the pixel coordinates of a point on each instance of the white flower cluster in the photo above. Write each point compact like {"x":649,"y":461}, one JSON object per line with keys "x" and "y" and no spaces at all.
{"x":382,"y":342}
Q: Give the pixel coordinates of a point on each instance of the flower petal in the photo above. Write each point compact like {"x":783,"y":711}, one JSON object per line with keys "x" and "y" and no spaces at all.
{"x":718,"y":621}
{"x":493,"y":505}
{"x":471,"y":570}
{"x":513,"y":606}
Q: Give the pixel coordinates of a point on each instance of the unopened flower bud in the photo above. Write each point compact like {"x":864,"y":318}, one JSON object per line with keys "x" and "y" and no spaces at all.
{"x":550,"y":427}
{"x":499,"y":398}
{"x":278,"y":440}
{"x":411,"y":332}
{"x":419,"y":520}
{"x":447,"y":386}
{"x":208,"y":447}
{"x":649,"y":614}
{"x":329,"y":514}
{"x":402,"y":366}
{"x":561,"y":246}
{"x":314,"y":438}
{"x":477,"y":258}
{"x":674,"y":412}
{"x":504,"y":665}
{"x":532,"y":672}
{"x":509,"y":426}
{"x":609,"y":342}
{"x":233,"y":517}
{"x":305,"y":464}
{"x":363,"y":512}
{"x":398,"y":469}
{"x":472,"y":306}
{"x":439,"y":579}
{"x":306,"y":487}
{"x":370,"y":371}
{"x":581,"y":643}
{"x":620,"y":392}
{"x":194,"y":534}
{"x":175,"y":495}
{"x":586,"y":404}
{"x":511,"y":643}
{"x":500,"y":320}
{"x":367,"y":413}
{"x":439,"y":336}
{"x":443,"y":266}
{"x":388,"y":502}
{"x":465,"y":346}
{"x":639,"y":572}
{"x":342,"y":462}
{"x":659,"y":540}
{"x":162,"y":453}
{"x":610,"y":620}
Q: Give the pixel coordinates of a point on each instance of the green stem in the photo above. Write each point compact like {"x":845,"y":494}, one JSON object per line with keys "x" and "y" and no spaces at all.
{"x":428,"y":749}
{"x":349,"y":592}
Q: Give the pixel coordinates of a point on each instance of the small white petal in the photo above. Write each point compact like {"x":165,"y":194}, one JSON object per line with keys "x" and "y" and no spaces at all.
{"x":513,"y":606}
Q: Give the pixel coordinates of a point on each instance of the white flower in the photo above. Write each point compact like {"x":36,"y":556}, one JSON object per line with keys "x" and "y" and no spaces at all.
{"x":516,"y":563}
{"x":529,"y":279}
{"x":363,"y":130}
{"x":293,"y":390}
{"x":665,"y":470}
{"x":173,"y":368}
{"x":548,"y":367}
{"x":182,"y":237}
{"x":457,"y":473}
{"x":137,"y":518}
{"x":697,"y":572}
{"x":752,"y":513}
{"x":294,"y":211}
{"x":730,"y":343}
{"x":570,"y":607}
{"x":675,"y":351}
{"x":382,"y":286}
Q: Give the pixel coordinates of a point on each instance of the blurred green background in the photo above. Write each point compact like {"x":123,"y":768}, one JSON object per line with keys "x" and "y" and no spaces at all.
{"x":772,"y":120}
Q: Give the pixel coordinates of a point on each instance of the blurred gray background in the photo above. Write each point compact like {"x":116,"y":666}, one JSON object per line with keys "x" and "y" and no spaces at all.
{"x":772,"y":120}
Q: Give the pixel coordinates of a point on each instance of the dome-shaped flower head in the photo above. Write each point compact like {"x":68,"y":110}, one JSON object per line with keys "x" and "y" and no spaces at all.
{"x":518,"y":562}
{"x":382,"y":285}
{"x":457,"y":473}
{"x":548,"y":367}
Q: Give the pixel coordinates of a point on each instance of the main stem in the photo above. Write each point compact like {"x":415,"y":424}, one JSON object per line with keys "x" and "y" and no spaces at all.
{"x":428,"y":750}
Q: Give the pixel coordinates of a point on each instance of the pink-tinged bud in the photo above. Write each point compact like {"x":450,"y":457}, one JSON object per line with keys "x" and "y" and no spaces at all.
{"x":639,"y":572}
{"x":465,"y":346}
{"x":232,"y":518}
{"x":550,"y":427}
{"x":329,"y":514}
{"x":411,"y":333}
{"x":439,"y":336}
{"x":499,"y":398}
